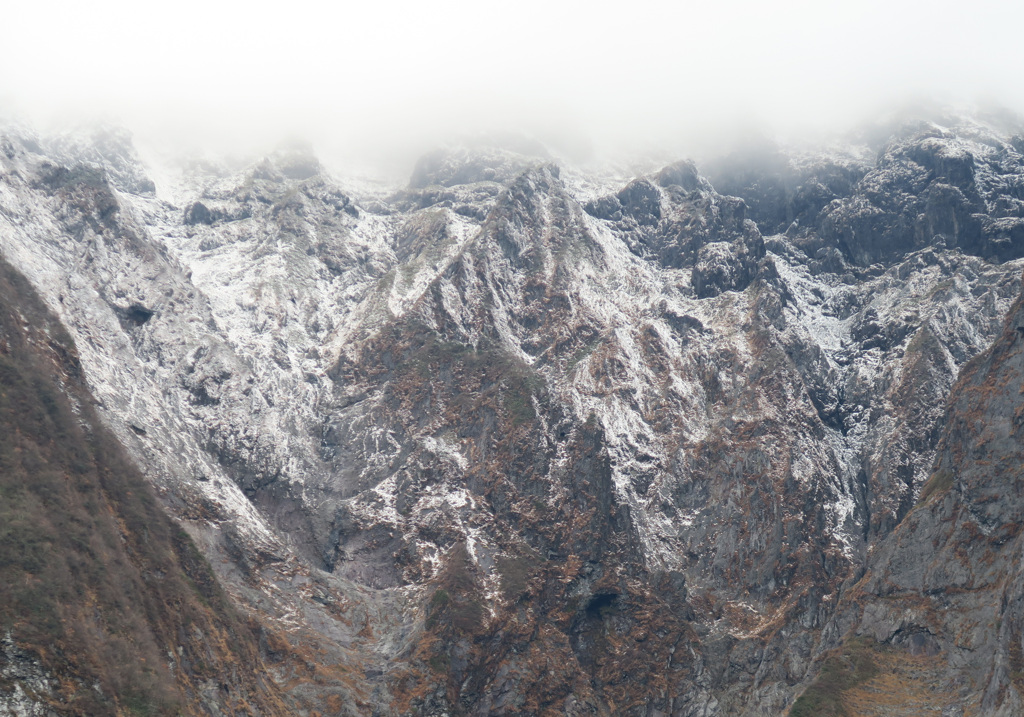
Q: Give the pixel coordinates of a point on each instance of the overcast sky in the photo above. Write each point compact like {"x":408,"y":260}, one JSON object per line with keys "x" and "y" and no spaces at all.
{"x":394,"y":72}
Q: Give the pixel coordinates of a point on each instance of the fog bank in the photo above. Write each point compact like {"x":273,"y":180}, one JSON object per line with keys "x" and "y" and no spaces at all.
{"x":384,"y":79}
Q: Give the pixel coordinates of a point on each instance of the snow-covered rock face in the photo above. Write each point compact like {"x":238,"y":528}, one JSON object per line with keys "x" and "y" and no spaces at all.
{"x":29,"y":682}
{"x":545,"y":440}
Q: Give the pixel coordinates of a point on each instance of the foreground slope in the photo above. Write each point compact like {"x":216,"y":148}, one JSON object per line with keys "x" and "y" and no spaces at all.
{"x":106,"y":606}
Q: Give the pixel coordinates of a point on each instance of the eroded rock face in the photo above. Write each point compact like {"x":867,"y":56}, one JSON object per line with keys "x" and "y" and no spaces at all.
{"x":922,"y":185}
{"x":677,"y":220}
{"x":514,"y":439}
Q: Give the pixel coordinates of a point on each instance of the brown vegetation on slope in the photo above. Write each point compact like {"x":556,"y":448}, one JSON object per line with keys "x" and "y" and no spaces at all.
{"x":98,"y":586}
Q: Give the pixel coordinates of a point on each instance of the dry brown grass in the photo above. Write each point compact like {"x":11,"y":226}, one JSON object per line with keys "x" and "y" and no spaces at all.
{"x":863,"y":679}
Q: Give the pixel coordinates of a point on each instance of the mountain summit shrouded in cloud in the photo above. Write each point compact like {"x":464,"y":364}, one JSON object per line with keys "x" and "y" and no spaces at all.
{"x":683,"y":381}
{"x":518,"y":435}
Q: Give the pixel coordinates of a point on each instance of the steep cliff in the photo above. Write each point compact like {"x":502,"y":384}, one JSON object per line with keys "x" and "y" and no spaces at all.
{"x":938,"y":612}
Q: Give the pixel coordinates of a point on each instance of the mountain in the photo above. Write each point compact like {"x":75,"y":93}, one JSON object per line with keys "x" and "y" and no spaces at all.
{"x":522,"y":437}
